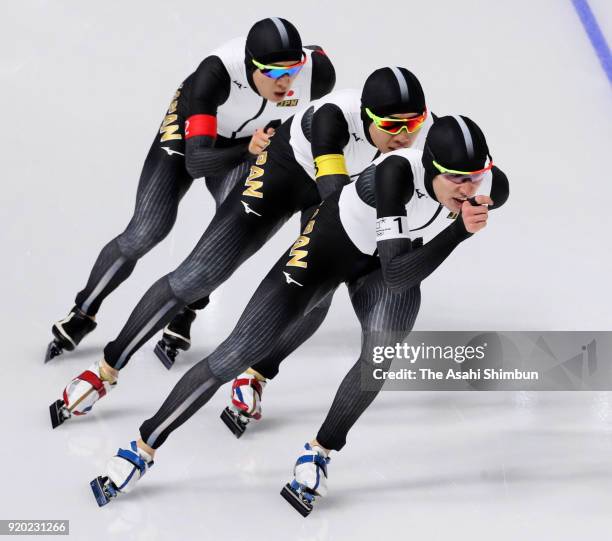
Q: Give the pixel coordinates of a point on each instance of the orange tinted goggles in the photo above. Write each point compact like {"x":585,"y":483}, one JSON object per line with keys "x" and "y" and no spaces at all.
{"x":394,"y":126}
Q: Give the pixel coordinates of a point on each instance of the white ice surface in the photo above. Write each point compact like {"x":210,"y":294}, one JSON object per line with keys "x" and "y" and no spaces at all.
{"x":84,"y":87}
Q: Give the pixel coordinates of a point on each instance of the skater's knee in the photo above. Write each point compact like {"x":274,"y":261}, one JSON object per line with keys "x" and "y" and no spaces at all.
{"x":140,"y":238}
{"x":203,"y":374}
{"x":368,"y":374}
{"x":190,"y":281}
{"x":134,"y":246}
{"x":225,"y":365}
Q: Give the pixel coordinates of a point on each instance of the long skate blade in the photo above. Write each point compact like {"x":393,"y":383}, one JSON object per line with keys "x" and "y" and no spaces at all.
{"x":53,"y":350}
{"x":166,"y":358}
{"x":97,"y":487}
{"x":302,"y":507}
{"x":232,"y":422}
{"x":55,"y":410}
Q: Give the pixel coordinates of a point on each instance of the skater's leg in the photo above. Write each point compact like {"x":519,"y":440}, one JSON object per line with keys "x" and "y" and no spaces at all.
{"x":298,"y":333}
{"x":247,"y":387}
{"x":386,"y":319}
{"x":156,"y":308}
{"x":237,"y":230}
{"x":219,"y":187}
{"x":322,"y":255}
{"x":177,"y":334}
{"x":191,"y":392}
{"x":163,"y":182}
{"x":272,"y":309}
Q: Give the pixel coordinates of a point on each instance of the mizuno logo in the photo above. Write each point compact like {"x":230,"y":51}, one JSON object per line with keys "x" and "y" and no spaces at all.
{"x":291,"y":280}
{"x":170,"y":151}
{"x":238,"y":84}
{"x":357,"y":138}
{"x":419,"y":193}
{"x":248,"y":209}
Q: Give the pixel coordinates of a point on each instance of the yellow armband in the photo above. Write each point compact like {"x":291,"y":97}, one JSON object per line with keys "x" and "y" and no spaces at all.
{"x":330,"y":164}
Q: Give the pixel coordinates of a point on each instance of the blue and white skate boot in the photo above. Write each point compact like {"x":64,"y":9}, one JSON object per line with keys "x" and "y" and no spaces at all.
{"x":122,"y":473}
{"x":309,"y":479}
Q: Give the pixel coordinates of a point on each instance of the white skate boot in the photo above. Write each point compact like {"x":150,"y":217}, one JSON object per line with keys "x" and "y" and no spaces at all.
{"x":123,"y":471}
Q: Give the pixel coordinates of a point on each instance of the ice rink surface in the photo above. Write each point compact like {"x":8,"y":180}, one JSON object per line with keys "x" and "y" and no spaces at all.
{"x":84,"y":87}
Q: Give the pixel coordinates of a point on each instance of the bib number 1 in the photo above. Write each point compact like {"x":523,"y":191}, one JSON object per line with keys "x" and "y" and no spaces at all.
{"x":392,"y":227}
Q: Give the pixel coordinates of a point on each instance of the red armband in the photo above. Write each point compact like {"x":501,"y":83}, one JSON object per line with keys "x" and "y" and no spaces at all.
{"x":201,"y":125}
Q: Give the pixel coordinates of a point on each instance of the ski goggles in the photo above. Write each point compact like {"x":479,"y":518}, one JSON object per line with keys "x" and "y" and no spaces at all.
{"x":394,"y":126}
{"x":461,"y":176}
{"x":276,"y":72}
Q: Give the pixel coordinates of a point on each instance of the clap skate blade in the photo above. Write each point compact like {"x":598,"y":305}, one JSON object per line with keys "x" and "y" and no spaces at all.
{"x":104,"y":490}
{"x":299,"y":499}
{"x":234,"y":422}
{"x":166,"y":354}
{"x":53,"y":350}
{"x":59,"y":413}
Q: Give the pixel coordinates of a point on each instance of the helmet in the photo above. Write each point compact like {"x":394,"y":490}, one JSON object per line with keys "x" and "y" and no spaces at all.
{"x":392,"y":90}
{"x":272,"y":40}
{"x":455,"y":142}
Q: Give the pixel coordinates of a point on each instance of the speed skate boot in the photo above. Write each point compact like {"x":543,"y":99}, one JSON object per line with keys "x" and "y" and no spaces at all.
{"x":176,"y":336}
{"x":123,"y":471}
{"x":309,"y":479}
{"x":81,"y":394}
{"x":247,"y":390}
{"x":69,"y":332}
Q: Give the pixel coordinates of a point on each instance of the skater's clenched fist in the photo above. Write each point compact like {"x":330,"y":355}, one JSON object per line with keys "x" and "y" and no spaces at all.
{"x":260,"y":141}
{"x":475,"y":216}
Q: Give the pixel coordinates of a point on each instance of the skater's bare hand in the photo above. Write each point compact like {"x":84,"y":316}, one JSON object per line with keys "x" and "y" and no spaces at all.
{"x":260,"y":141}
{"x":475,"y":217}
